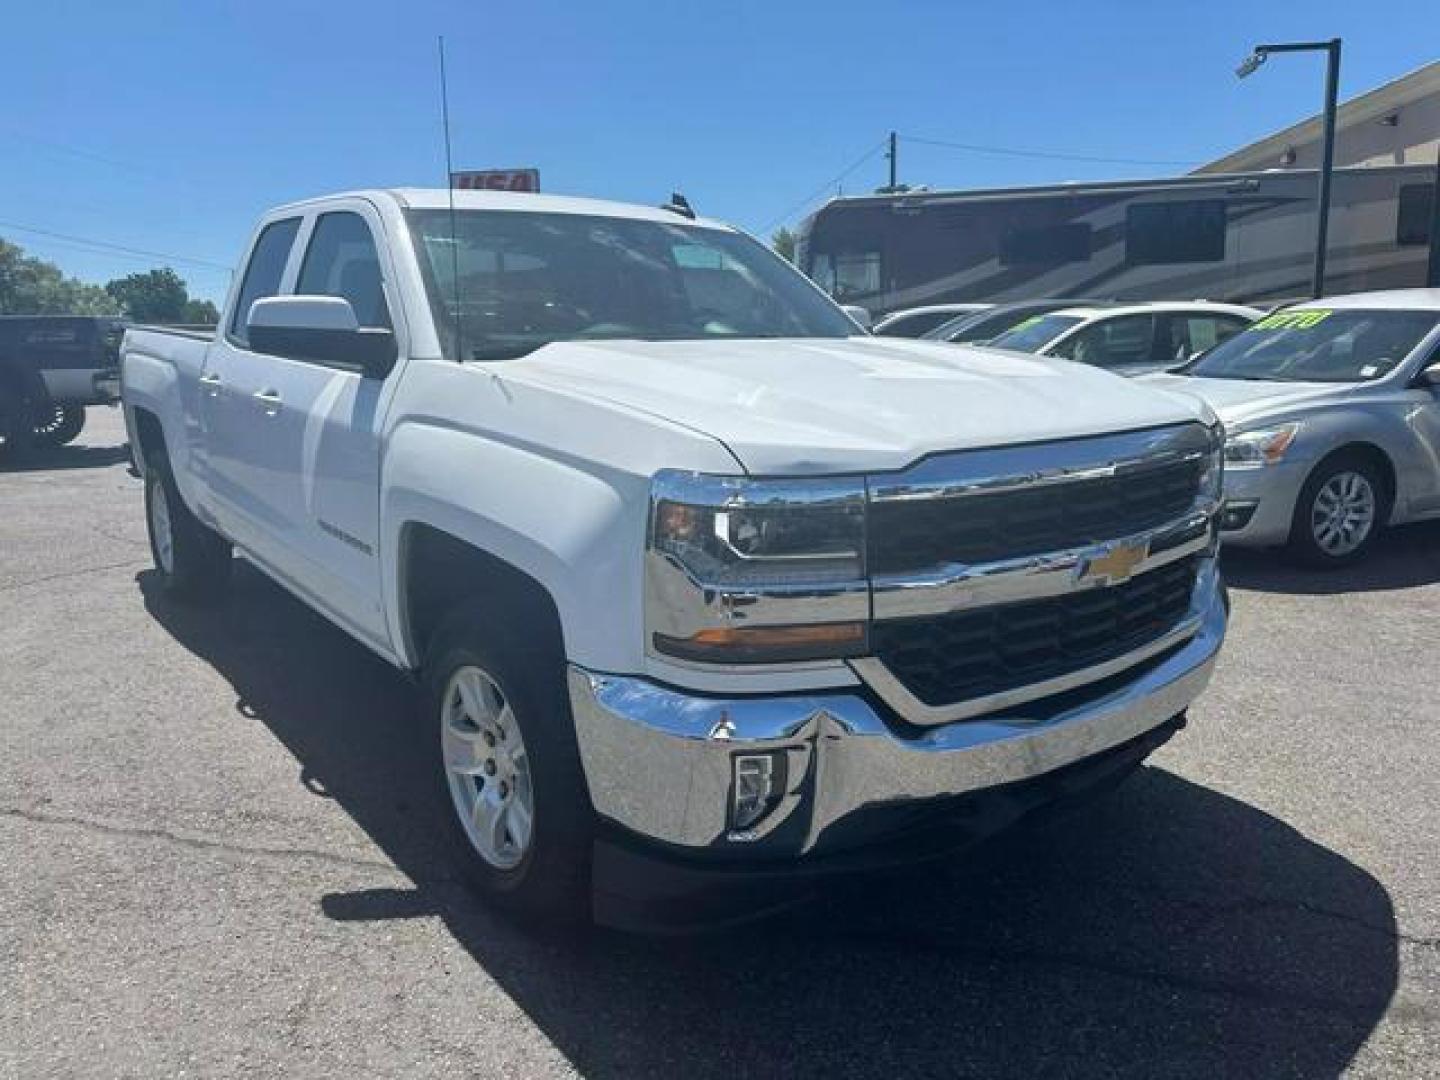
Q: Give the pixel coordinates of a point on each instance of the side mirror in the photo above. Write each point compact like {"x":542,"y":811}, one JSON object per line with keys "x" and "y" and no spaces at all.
{"x":859,"y":315}
{"x":322,"y":329}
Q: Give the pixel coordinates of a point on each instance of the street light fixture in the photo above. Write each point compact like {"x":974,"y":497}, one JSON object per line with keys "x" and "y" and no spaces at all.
{"x":1249,"y":64}
{"x":1331,"y":49}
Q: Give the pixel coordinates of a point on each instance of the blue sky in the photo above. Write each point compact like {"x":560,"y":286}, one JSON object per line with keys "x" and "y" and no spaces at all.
{"x":169,"y":127}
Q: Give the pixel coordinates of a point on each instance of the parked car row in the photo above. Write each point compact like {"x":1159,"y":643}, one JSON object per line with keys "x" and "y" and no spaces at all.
{"x":1331,"y":405}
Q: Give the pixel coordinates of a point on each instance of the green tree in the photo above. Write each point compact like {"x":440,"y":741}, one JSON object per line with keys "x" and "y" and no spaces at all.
{"x":31,"y":286}
{"x":154,"y":296}
{"x":200,"y":312}
{"x":783,"y":241}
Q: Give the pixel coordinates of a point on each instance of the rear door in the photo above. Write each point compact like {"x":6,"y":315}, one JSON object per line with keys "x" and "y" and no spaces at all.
{"x":233,"y":425}
{"x":319,"y":429}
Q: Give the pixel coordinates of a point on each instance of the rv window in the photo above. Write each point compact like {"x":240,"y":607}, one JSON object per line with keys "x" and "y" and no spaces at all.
{"x":1175,"y":232}
{"x":1045,"y":244}
{"x":856,"y":274}
{"x":1412,"y":220}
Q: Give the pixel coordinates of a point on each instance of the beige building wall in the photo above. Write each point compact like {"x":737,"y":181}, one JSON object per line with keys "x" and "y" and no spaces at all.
{"x":1396,"y":124}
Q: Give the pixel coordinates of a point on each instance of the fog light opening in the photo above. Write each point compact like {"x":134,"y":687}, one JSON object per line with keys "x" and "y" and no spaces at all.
{"x":1237,"y":515}
{"x":757,"y":784}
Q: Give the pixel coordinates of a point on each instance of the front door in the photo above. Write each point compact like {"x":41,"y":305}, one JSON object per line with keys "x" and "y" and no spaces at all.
{"x":320,"y":452}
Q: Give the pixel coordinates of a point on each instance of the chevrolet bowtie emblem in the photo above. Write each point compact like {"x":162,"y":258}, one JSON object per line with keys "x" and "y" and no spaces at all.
{"x":1115,"y":565}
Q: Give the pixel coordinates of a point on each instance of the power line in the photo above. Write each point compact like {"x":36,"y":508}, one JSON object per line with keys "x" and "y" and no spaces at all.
{"x":808,"y":199}
{"x":1052,"y":155}
{"x":104,"y":245}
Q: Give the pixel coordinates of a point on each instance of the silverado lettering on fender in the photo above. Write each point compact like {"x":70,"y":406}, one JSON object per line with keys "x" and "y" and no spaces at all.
{"x":704,"y":584}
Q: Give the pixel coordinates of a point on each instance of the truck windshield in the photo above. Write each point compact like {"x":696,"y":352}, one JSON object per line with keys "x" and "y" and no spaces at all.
{"x":1035,"y":333}
{"x":1317,"y":345}
{"x":528,"y":279}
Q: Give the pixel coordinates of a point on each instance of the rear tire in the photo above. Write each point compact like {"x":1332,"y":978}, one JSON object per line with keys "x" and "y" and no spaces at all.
{"x":62,"y":424}
{"x":1342,"y":509}
{"x":506,"y":768}
{"x":194,"y":562}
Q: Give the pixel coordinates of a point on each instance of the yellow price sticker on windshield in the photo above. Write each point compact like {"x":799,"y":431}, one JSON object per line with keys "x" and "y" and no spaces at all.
{"x":1031,"y":321}
{"x":1293,"y":320}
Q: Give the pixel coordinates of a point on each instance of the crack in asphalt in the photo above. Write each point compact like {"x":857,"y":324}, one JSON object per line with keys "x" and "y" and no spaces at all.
{"x":200,"y":843}
{"x":65,"y":574}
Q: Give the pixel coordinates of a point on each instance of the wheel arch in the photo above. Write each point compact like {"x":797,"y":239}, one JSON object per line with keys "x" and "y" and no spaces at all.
{"x":1375,"y":455}
{"x":149,"y":437}
{"x":438,"y":573}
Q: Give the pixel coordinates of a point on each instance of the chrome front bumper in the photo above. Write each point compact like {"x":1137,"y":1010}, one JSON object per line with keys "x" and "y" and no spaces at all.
{"x":659,"y":760}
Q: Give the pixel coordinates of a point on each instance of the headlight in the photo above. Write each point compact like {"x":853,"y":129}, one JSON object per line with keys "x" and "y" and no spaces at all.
{"x":1212,"y":479}
{"x":1264,"y":446}
{"x":754,"y":571}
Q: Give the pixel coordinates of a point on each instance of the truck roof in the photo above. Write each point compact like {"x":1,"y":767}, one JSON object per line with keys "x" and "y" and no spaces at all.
{"x":439,"y":199}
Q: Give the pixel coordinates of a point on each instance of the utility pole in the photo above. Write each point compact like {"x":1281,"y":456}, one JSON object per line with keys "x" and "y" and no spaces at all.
{"x":893,"y":164}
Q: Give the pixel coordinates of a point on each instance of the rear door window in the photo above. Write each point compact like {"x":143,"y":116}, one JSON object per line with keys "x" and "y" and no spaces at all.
{"x":1119,"y":342}
{"x":1191,"y":335}
{"x":263,"y":273}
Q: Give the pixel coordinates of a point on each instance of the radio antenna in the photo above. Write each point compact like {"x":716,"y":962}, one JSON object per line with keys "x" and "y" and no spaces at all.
{"x":450,"y":188}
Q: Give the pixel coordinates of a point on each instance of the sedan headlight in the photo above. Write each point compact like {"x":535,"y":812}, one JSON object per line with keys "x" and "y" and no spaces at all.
{"x":1263,"y":446}
{"x":755,"y":571}
{"x":1212,"y":479}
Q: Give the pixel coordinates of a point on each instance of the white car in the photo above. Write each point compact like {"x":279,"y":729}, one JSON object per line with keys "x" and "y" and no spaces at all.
{"x":1129,"y":339}
{"x":915,"y":322}
{"x":697,"y":577}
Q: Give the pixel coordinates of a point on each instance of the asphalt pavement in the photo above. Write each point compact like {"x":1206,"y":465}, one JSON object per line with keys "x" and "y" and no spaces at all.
{"x":216,"y":859}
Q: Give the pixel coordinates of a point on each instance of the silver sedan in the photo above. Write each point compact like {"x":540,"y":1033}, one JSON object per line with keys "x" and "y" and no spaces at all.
{"x":1332,"y":409}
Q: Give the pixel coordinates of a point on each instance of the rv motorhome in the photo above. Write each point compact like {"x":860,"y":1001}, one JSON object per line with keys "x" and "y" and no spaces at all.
{"x":1243,"y":237}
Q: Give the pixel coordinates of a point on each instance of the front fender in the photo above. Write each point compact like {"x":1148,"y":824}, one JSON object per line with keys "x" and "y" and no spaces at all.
{"x":576,"y":530}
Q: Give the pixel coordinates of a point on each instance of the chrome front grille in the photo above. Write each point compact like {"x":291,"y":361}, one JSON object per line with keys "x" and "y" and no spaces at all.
{"x":975,"y":654}
{"x":1003,"y":576}
{"x":916,"y":534}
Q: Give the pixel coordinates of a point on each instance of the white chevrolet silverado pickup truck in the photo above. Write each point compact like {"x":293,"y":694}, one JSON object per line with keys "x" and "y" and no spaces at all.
{"x":705,"y":586}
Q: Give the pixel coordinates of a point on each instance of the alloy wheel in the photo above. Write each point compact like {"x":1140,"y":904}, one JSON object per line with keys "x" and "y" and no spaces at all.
{"x":487,"y":768}
{"x":1343,"y":514}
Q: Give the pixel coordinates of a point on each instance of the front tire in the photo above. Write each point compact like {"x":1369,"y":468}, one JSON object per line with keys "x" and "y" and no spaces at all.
{"x":1340,"y":513}
{"x":193,"y":561}
{"x":507,"y":769}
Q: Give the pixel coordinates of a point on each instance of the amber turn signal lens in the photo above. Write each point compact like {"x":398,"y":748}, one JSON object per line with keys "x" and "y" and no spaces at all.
{"x":767,"y":644}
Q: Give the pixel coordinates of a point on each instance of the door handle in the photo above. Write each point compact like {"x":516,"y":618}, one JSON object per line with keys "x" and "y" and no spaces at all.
{"x":268,"y":400}
{"x":211,"y":383}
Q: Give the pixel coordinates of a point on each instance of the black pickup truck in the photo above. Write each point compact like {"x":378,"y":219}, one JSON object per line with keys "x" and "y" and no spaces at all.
{"x":51,"y":368}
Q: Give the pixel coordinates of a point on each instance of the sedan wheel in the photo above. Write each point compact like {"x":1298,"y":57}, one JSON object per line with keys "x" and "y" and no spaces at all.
{"x":1342,"y":516}
{"x":1342,"y":508}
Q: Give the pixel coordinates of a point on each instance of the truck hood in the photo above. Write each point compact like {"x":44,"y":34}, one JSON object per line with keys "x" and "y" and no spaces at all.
{"x":809,"y":406}
{"x":1240,"y":402}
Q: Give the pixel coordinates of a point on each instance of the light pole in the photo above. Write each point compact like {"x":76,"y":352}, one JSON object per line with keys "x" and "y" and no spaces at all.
{"x":1327,"y":165}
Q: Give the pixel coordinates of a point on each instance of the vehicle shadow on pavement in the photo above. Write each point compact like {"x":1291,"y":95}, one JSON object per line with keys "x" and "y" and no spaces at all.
{"x":1404,"y":558}
{"x":1166,"y":929}
{"x":61,"y":458}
